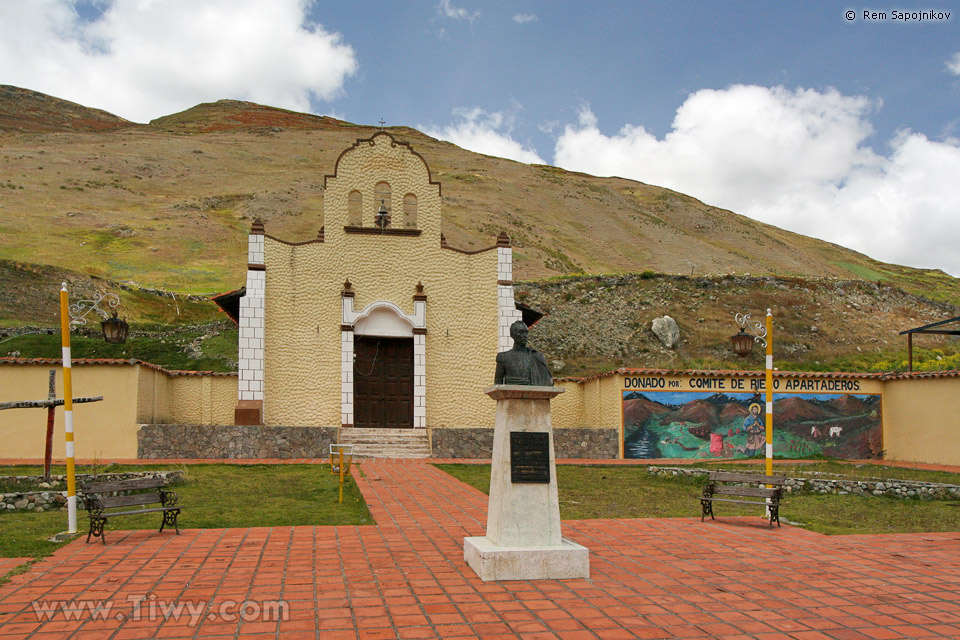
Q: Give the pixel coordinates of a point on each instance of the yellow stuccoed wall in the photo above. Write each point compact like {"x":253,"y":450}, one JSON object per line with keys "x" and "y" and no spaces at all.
{"x":302,"y":334}
{"x":133,"y":394}
{"x":102,"y":429}
{"x":921,"y":420}
{"x":566,"y":409}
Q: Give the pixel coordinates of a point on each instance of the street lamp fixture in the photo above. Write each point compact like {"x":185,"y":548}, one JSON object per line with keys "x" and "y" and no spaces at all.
{"x":115,"y":330}
{"x":762,"y":333}
{"x":742,"y":340}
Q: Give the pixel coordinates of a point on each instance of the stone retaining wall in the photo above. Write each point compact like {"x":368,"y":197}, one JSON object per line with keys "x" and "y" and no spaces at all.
{"x":192,"y":441}
{"x":48,"y":499}
{"x":829,"y":483}
{"x":569,"y":443}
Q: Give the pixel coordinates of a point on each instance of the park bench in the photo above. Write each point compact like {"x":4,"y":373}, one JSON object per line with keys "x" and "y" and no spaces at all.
{"x":101,"y":500}
{"x":758,"y":493}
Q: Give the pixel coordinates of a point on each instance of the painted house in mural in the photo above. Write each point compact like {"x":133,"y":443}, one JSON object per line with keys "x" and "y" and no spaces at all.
{"x":376,"y":322}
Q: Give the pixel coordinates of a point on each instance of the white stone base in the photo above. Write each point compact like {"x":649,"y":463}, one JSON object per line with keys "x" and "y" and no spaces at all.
{"x":490,"y":561}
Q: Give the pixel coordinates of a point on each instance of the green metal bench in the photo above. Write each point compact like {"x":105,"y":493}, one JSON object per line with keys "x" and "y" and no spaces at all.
{"x":758,"y":493}
{"x":102,"y":502}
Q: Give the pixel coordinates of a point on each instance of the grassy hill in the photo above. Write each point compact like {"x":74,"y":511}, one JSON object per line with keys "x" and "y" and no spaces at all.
{"x":164,"y":209}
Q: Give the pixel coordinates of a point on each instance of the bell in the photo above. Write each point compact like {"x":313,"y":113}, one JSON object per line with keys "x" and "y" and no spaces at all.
{"x":383,"y":216}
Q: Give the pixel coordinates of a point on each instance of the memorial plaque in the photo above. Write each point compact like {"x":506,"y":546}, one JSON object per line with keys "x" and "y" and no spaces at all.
{"x":530,"y":456}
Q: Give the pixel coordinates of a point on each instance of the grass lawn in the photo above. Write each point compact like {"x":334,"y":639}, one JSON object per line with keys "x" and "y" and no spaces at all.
{"x":213,"y":496}
{"x":630,"y":492}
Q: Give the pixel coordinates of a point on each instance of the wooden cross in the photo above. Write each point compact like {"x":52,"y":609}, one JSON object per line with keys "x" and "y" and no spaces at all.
{"x":50,"y":404}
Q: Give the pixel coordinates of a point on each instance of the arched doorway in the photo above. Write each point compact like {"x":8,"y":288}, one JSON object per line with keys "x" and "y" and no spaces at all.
{"x":383,"y":371}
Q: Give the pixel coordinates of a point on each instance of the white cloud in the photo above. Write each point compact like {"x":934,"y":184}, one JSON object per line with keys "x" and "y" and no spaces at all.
{"x":483,"y":132}
{"x":796,"y":159}
{"x":445,"y":8}
{"x":141,"y":60}
{"x":953,"y":64}
{"x":523,"y":18}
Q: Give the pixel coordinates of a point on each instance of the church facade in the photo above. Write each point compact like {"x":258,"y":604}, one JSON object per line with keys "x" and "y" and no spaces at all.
{"x":376,"y":322}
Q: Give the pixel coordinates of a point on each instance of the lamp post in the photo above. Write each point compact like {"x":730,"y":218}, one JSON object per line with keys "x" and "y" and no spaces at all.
{"x":742,"y":345}
{"x":114,"y":330}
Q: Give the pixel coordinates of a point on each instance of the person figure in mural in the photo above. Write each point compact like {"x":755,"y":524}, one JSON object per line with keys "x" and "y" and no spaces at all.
{"x":521,"y":364}
{"x":755,"y":430}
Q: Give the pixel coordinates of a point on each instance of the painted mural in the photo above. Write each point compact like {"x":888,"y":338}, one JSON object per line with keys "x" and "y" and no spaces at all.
{"x":688,"y":424}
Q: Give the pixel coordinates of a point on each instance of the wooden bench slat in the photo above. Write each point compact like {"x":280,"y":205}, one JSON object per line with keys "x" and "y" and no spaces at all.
{"x":756,"y":492}
{"x":760,"y":502}
{"x":122,"y":485}
{"x":109,"y":514}
{"x":130,"y":500}
{"x":729,"y":476}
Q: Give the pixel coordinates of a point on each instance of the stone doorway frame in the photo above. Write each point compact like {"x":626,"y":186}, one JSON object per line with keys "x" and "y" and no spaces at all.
{"x":386,"y":319}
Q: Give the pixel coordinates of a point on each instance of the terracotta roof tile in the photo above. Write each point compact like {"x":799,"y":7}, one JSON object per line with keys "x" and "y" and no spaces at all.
{"x":737,"y":373}
{"x":116,"y":362}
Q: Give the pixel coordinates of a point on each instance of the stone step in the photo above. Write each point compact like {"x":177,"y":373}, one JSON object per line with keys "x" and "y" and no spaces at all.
{"x":347,"y":439}
{"x":387,"y":443}
{"x":363,"y":451}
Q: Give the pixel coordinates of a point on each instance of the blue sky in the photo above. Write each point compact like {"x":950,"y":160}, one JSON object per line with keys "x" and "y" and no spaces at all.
{"x":790,"y":113}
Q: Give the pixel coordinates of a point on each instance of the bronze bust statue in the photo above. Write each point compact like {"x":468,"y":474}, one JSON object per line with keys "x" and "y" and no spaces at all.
{"x":522,"y":365}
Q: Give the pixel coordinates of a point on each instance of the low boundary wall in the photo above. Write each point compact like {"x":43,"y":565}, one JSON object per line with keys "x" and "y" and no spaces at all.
{"x":150,"y":412}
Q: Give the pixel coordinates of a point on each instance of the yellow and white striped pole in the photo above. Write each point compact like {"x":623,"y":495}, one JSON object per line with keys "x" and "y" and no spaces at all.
{"x":769,"y":385}
{"x":68,"y":412}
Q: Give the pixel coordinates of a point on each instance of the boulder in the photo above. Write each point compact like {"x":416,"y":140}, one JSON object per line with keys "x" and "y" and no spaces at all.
{"x":666,"y":330}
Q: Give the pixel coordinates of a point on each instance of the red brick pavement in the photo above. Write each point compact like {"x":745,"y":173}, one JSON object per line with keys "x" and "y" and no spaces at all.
{"x":405,"y":578}
{"x":9,"y":564}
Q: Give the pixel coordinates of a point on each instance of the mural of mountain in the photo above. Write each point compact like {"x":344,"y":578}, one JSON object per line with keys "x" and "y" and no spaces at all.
{"x":733,"y":411}
{"x":849,"y":405}
{"x":798,"y":409}
{"x":711,"y":426}
{"x":700,"y":412}
{"x":637,"y":410}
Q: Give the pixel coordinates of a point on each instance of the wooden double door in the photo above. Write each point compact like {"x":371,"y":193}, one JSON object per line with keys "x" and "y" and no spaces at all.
{"x":383,"y":382}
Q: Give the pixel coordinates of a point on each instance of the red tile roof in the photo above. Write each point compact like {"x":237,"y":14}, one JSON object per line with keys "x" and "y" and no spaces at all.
{"x":115,"y":362}
{"x":737,"y":373}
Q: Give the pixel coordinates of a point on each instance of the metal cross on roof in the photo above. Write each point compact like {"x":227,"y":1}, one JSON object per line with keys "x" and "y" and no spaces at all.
{"x":382,"y":123}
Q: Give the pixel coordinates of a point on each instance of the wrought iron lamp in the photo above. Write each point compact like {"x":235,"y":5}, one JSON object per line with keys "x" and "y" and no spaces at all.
{"x":115,"y":330}
{"x":743,"y":341}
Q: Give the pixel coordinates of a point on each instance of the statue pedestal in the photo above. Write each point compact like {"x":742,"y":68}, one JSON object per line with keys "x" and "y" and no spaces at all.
{"x":523,"y":540}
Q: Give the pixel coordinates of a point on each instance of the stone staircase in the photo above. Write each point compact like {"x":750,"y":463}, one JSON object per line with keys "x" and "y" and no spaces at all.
{"x":387,"y":443}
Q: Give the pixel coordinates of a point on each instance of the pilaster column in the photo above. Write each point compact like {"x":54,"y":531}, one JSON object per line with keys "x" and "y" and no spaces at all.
{"x":507,"y":312}
{"x":249,"y":410}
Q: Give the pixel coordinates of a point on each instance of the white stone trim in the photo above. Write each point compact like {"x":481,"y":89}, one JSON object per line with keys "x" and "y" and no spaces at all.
{"x":250,"y":385}
{"x":504,"y":263}
{"x":346,"y":377}
{"x":417,"y":320}
{"x":507,"y":312}
{"x":420,"y":379}
{"x":255,"y":249}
